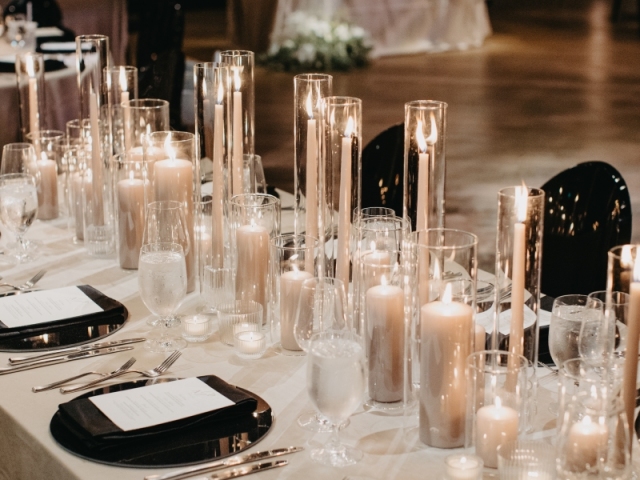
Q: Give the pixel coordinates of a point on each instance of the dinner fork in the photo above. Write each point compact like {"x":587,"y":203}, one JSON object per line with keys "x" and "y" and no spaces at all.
{"x":53,"y":385}
{"x":28,"y":284}
{"x":154,"y":372}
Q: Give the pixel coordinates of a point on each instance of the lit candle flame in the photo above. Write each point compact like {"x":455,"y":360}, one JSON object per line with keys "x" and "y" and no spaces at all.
{"x":30,"y":65}
{"x":433,"y":134}
{"x":522,"y":194}
{"x":447,"y":296}
{"x":169,"y":148}
{"x":220,"y":94}
{"x":350,"y":127}
{"x":309,"y":106}
{"x":383,"y":280}
{"x":626,"y":259}
{"x":237,"y":82}
{"x":123,"y":80}
{"x":422,"y":143}
{"x":497,"y":402}
{"x":131,"y":178}
{"x":636,"y":268}
{"x":437,"y":275}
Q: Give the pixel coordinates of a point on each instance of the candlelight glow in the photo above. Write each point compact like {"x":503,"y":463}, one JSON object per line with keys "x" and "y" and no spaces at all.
{"x":169,"y":148}
{"x":309,"y":106}
{"x":237,"y":82}
{"x":626,"y":259}
{"x":383,"y":280}
{"x":123,"y":81}
{"x":422,"y":143}
{"x":498,"y":402}
{"x":350,"y":127}
{"x":220,"y":94}
{"x":31,"y":67}
{"x":437,"y":274}
{"x":636,"y":269}
{"x":433,"y":134}
{"x":522,"y":193}
{"x":131,"y":177}
{"x":447,"y":296}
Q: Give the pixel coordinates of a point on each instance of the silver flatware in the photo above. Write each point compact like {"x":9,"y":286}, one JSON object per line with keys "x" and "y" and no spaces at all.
{"x":28,"y":284}
{"x":81,"y":348}
{"x":11,"y":293}
{"x":63,"y":359}
{"x":153,"y":373}
{"x":229,"y":462}
{"x":53,"y":385}
{"x":248,"y":470}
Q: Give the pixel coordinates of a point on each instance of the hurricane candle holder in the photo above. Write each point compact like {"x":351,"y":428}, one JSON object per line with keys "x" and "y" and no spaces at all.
{"x":48,"y":144}
{"x":148,"y":115}
{"x":440,"y":330}
{"x":241,"y":112}
{"x":623,"y":275}
{"x":30,"y":81}
{"x":344,"y":161}
{"x":309,"y":89}
{"x":293,"y":260}
{"x":174,"y":175}
{"x":255,"y":220}
{"x":425,"y":124}
{"x":518,"y":263}
{"x":211,"y":102}
{"x":121,"y":82}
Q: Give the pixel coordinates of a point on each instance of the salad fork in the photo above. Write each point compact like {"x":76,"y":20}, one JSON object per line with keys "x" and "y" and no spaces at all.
{"x":53,"y":385}
{"x":28,"y":284}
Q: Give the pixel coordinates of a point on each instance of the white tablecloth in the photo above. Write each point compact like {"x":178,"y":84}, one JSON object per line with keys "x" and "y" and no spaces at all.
{"x":27,"y":450}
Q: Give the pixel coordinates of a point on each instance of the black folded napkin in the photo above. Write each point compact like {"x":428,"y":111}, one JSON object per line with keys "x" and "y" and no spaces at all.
{"x":84,"y":421}
{"x":50,"y":65}
{"x":111,"y":309}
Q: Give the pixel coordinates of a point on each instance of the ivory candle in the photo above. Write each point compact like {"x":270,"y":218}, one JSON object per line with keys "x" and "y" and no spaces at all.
{"x":375,"y":263}
{"x":422,"y":211}
{"x":96,"y":160}
{"x":384,"y":310}
{"x":311,"y":192}
{"x":217,"y":207}
{"x":516,"y":331}
{"x":126,"y":116}
{"x":252,"y":243}
{"x":495,"y":425}
{"x":586,"y":441}
{"x":34,"y":122}
{"x":81,"y":186}
{"x":445,"y":333}
{"x":290,"y":286}
{"x":461,"y":466}
{"x":174,"y":181}
{"x":131,"y":207}
{"x":237,"y":157}
{"x":47,"y":189}
{"x":633,"y":336}
{"x":344,"y":214}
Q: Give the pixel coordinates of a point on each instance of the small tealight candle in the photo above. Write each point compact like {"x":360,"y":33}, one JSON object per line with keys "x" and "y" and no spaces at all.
{"x":196,"y":328}
{"x":250,"y":344}
{"x":461,"y":466}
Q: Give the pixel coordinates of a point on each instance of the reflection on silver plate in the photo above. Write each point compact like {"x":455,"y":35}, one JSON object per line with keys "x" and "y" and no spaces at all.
{"x":179,"y":448}
{"x":66,"y":336}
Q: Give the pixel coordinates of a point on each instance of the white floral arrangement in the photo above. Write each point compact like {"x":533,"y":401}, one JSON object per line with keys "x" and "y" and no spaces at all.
{"x":308,"y":42}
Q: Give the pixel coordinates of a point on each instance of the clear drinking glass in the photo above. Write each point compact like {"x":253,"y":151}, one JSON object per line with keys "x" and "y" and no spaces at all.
{"x":20,"y":158}
{"x":162,"y":279}
{"x":567,"y":316}
{"x":600,"y":337}
{"x":336,"y":383}
{"x":18,"y":208}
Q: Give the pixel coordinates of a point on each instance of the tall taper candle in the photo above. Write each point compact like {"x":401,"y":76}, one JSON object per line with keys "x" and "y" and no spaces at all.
{"x":218,"y":185}
{"x":252,"y":243}
{"x":311,"y":192}
{"x":96,"y":160}
{"x":237,"y":132}
{"x":344,"y":215}
{"x":130,"y":220}
{"x":633,"y":336}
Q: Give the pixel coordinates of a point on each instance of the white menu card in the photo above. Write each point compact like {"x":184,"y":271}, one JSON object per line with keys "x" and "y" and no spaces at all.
{"x":160,"y":403}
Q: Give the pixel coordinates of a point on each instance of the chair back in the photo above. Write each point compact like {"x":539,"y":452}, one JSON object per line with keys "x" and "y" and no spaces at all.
{"x":587,"y":212}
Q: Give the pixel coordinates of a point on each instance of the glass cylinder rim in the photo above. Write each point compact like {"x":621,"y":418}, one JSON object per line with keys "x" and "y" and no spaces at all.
{"x":336,"y":282}
{"x":561,"y":300}
{"x":472,"y":364}
{"x":149,"y":246}
{"x":616,"y":252}
{"x":426,"y":104}
{"x":270,"y":200}
{"x":14,"y":176}
{"x":75,"y":123}
{"x":17,"y":146}
{"x":119,"y":68}
{"x":340,"y":100}
{"x":237,"y":53}
{"x":148,"y":103}
{"x":275,"y":241}
{"x":473,"y":238}
{"x":22,"y":55}
{"x":618,"y":294}
{"x":312,"y":77}
{"x":126,"y":158}
{"x":510,"y":192}
{"x":176,"y":137}
{"x":210,"y":65}
{"x":165,"y":204}
{"x":49,"y":134}
{"x":231,"y":308}
{"x":91,"y":36}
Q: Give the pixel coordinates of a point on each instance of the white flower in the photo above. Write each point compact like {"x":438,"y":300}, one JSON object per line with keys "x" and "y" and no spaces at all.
{"x":357,"y":32}
{"x":288,"y":43}
{"x":306,"y":53}
{"x":342,"y":32}
{"x":319,"y":28}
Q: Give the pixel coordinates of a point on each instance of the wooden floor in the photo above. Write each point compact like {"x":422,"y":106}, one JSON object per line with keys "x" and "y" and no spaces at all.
{"x":556,"y":85}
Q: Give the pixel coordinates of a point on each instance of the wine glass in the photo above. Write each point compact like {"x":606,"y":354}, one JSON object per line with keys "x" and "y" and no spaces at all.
{"x":166,"y":223}
{"x":18,"y":208}
{"x":162,"y":279}
{"x":321,"y":307}
{"x":20,"y":158}
{"x":601,"y":337}
{"x":336,"y":383}
{"x":568,"y":314}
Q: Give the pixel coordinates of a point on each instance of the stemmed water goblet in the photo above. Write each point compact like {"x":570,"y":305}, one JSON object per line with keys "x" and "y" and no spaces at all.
{"x":336,"y":384}
{"x":602,"y":336}
{"x":18,"y":208}
{"x":321,"y":307}
{"x":162,"y":279}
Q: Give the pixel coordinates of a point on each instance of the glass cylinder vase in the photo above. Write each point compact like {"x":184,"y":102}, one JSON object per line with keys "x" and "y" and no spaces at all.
{"x":121,"y":83}
{"x":241,"y":111}
{"x":148,"y":115}
{"x":33,"y":105}
{"x":309,"y":89}
{"x":425,"y":123}
{"x":344,"y":161}
{"x":49,"y":145}
{"x":518,"y":263}
{"x":440,"y":330}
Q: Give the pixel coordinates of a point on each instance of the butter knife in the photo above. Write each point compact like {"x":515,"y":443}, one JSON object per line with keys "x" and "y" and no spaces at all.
{"x":248,"y":470}
{"x":64,"y":359}
{"x":229,"y":462}
{"x":81,"y":348}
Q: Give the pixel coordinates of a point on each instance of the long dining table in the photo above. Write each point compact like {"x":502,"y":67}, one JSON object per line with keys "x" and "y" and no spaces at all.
{"x":28,"y":450}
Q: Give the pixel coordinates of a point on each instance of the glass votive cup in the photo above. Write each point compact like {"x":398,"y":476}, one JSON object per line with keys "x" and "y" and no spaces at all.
{"x":250,"y":344}
{"x":526,"y":459}
{"x":462,"y":466}
{"x":196,"y":328}
{"x":246,"y":313}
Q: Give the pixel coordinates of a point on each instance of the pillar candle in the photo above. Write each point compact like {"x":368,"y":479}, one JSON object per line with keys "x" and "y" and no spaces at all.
{"x":96,"y":160}
{"x":217,"y":207}
{"x":375,"y":264}
{"x":131,"y":207}
{"x":344,"y":214}
{"x":174,"y":181}
{"x":480,"y":339}
{"x":445,"y":332}
{"x":252,"y":244}
{"x":495,"y":425}
{"x":384,"y":317}
{"x":633,"y":336}
{"x":237,"y":159}
{"x":48,"y":189}
{"x":585,"y":442}
{"x":290,"y":286}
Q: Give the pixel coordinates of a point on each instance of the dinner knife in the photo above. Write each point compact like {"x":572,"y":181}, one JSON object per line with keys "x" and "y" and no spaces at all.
{"x":81,"y":348}
{"x":63,"y":359}
{"x":229,"y":462}
{"x":248,"y":470}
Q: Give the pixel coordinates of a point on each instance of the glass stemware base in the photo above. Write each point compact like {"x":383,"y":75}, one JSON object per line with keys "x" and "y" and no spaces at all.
{"x":312,"y":422}
{"x":336,"y":454}
{"x":170,"y":339}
